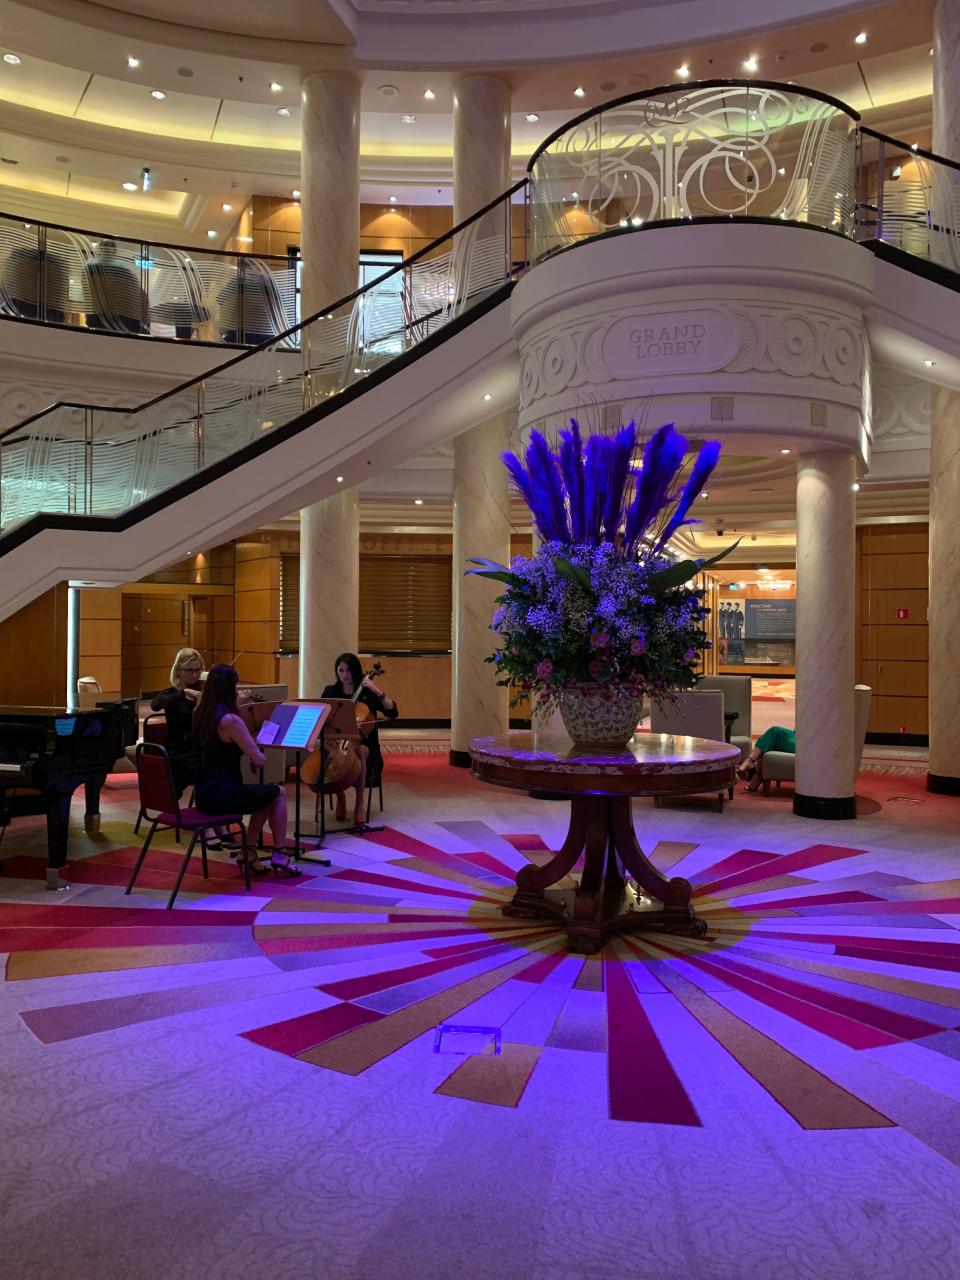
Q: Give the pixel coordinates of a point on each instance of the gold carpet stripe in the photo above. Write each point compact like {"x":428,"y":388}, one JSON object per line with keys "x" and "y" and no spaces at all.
{"x":62,"y":961}
{"x":668,"y":853}
{"x":357,"y":1050}
{"x":749,"y":888}
{"x":324,"y":929}
{"x":935,"y":889}
{"x":948,"y":997}
{"x":448,"y":873}
{"x":590,"y":977}
{"x":498,"y":1079}
{"x":814,"y":1101}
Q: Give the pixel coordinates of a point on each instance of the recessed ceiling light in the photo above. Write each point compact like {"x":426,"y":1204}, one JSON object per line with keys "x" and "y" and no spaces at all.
{"x":751,"y":63}
{"x":683,"y":71}
{"x":531,"y":117}
{"x":429,"y":95}
{"x":62,"y":159}
{"x":393,"y":199}
{"x":704,"y":494}
{"x":855,"y":487}
{"x":133,"y":62}
{"x":781,"y":171}
{"x":275,"y":87}
{"x":929,"y":363}
{"x":408,"y":119}
{"x":227,"y":208}
{"x":579,"y":91}
{"x":295,"y":194}
{"x":339,"y":479}
{"x":283,"y":111}
{"x":418,"y":502}
{"x":488,"y":396}
{"x":158,"y":94}
{"x":860,"y":38}
{"x":129,"y":186}
{"x":636,"y":222}
{"x":574,"y":195}
{"x":211,"y":235}
{"x":784,"y":450}
{"x":12,"y":59}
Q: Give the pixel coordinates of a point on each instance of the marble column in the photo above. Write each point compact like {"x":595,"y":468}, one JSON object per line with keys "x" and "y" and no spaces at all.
{"x":481,"y":527}
{"x":329,"y":189}
{"x":826,"y":613}
{"x":944,"y":607}
{"x":329,"y":587}
{"x":481,"y":143}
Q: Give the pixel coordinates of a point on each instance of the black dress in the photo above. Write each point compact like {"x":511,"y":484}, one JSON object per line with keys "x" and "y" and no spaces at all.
{"x":371,"y":740}
{"x":183,"y":749}
{"x":220,"y":787}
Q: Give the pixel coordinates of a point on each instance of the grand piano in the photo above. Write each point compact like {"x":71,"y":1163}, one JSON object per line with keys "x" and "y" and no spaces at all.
{"x":46,"y":753}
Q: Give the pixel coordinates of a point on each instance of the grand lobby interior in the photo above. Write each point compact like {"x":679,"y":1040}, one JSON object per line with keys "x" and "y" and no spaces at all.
{"x":278,"y":292}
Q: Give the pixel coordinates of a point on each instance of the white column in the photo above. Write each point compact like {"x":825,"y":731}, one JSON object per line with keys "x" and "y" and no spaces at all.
{"x":944,"y":607}
{"x":329,"y":188}
{"x":481,"y":143}
{"x":481,"y":527}
{"x":946,"y":86}
{"x":826,"y":613}
{"x":329,"y":587}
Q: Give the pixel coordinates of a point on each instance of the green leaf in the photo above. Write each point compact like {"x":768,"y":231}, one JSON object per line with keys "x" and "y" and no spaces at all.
{"x":487,"y":564}
{"x":684,"y":570}
{"x":497,"y":575}
{"x":572,"y":572}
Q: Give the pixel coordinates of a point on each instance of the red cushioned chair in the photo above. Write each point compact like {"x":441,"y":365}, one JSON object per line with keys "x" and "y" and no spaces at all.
{"x":160,"y":806}
{"x":154,"y":730}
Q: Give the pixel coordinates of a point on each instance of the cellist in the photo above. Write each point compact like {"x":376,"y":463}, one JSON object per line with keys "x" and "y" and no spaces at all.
{"x":350,"y":679}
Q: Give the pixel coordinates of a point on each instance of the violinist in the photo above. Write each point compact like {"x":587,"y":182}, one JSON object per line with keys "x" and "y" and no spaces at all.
{"x":351,"y":683}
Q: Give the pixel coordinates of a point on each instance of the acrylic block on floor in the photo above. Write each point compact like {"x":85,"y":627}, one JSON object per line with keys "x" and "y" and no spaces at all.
{"x":452,"y":1037}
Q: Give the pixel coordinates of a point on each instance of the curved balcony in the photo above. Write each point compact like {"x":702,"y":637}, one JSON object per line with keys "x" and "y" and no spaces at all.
{"x":112,"y":284}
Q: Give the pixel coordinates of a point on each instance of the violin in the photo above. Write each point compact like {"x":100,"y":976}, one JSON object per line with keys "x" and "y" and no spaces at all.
{"x":341,"y":755}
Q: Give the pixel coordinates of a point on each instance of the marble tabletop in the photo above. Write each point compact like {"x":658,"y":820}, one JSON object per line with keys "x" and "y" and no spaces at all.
{"x":645,"y":755}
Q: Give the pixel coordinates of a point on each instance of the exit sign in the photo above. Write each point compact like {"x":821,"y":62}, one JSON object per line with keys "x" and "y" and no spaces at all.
{"x":903,"y":614}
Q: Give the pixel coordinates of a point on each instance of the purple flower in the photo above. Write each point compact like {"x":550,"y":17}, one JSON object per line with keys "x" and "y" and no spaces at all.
{"x":599,"y":639}
{"x":544,"y":669}
{"x":638,"y":645}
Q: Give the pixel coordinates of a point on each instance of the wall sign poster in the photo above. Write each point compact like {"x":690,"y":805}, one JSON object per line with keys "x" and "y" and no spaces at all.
{"x":730,"y":630}
{"x":770,"y":619}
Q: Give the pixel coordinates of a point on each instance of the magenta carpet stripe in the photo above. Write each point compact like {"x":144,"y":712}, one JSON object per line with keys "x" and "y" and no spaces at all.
{"x":353,"y":988}
{"x":310,"y":1029}
{"x":643,"y":1085}
{"x":392,"y":839}
{"x":855,"y":1035}
{"x":160,"y":935}
{"x":345,"y":941}
{"x":817,"y":855}
{"x":462,"y":948}
{"x":489,"y":863}
{"x":742,"y":860}
{"x":543,"y":968}
{"x":34,"y":915}
{"x":526,"y":843}
{"x":901,"y":1025}
{"x":809,"y":900}
{"x":411,"y":886}
{"x":882,"y":948}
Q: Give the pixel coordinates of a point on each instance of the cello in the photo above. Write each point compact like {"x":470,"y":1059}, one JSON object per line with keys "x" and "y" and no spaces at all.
{"x":342,"y":762}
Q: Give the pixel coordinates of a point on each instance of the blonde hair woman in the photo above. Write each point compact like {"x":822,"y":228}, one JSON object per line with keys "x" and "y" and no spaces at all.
{"x":177,"y":703}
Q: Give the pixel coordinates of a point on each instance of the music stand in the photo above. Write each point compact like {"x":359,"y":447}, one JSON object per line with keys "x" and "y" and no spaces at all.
{"x":342,"y":723}
{"x":296,"y":727}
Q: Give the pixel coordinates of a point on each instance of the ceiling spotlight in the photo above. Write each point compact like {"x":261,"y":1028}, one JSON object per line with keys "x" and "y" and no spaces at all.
{"x":211,"y":235}
{"x":158,"y":94}
{"x":636,"y":222}
{"x":133,"y":62}
{"x":782,"y":170}
{"x":579,"y":91}
{"x":393,"y":199}
{"x":283,"y":111}
{"x":129,"y":186}
{"x":12,"y":59}
{"x":574,"y":195}
{"x":855,"y":487}
{"x":408,"y":119}
{"x":751,"y":63}
{"x":275,"y":87}
{"x":488,"y":396}
{"x":531,"y":117}
{"x":860,"y":38}
{"x":227,"y":208}
{"x":418,"y":502}
{"x":295,"y":194}
{"x":429,"y":95}
{"x":784,"y":450}
{"x":339,"y":479}
{"x":929,"y":363}
{"x":913,"y":146}
{"x":683,"y":71}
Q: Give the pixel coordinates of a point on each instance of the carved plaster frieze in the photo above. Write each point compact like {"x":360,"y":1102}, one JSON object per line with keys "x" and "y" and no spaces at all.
{"x":637,"y":343}
{"x":901,"y":410}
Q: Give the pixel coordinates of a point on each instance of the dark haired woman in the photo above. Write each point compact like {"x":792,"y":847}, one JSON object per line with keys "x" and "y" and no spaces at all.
{"x":224,"y":739}
{"x":349,"y":679}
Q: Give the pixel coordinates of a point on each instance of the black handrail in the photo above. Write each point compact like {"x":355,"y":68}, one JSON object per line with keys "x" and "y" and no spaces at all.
{"x":280,"y":337}
{"x":910,"y":148}
{"x":685,"y":86}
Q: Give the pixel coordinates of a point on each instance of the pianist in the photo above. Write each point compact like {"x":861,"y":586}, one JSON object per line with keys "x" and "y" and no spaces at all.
{"x":177,"y":704}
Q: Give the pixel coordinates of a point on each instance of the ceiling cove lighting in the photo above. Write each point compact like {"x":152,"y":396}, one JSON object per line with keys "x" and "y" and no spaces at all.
{"x":158,"y":94}
{"x":133,"y":62}
{"x":751,"y":64}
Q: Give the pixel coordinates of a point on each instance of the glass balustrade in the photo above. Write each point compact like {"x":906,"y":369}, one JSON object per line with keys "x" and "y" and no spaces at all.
{"x":84,"y":460}
{"x":711,"y":150}
{"x":909,"y":200}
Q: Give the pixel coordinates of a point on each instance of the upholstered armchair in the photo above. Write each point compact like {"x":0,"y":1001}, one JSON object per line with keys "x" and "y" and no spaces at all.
{"x":781,"y":766}
{"x":737,"y":696}
{"x":696,"y":714}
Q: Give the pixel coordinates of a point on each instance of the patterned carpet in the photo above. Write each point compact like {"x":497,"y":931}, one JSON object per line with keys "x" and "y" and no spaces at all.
{"x":434,"y":1089}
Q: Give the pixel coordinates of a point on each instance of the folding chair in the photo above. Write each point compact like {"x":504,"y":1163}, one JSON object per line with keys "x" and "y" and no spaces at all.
{"x":161,"y":807}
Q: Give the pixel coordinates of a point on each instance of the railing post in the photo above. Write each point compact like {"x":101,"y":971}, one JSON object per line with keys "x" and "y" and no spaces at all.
{"x":145,"y":324}
{"x":199,"y":429}
{"x":306,"y":392}
{"x":41,"y":272}
{"x":241,"y":288}
{"x":88,"y":461}
{"x":880,"y":177}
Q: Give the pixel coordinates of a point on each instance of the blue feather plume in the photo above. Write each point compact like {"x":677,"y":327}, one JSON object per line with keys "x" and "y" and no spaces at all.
{"x":703,"y":467}
{"x":597,"y":457}
{"x":546,"y":482}
{"x":662,"y":459}
{"x":571,"y":465}
{"x":623,"y":446}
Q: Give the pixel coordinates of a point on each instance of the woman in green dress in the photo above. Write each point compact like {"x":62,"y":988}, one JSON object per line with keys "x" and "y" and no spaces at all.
{"x":776,"y":738}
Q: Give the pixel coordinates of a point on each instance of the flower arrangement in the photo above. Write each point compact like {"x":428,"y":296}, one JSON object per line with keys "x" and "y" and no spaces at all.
{"x":601,"y":607}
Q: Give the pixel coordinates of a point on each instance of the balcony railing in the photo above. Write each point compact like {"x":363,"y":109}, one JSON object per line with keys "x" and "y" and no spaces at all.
{"x":117,"y":285}
{"x":703,"y":152}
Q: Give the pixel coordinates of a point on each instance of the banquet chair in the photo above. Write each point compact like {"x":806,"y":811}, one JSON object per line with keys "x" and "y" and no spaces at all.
{"x":161,"y":807}
{"x":154,"y":730}
{"x":695,"y":714}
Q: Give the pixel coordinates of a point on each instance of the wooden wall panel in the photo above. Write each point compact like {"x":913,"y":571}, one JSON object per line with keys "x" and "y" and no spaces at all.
{"x":101,"y":637}
{"x":256,"y":604}
{"x":33,"y":642}
{"x":154,"y":627}
{"x":892,"y":654}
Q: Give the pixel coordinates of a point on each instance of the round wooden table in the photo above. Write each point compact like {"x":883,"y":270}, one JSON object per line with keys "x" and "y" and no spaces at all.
{"x":600,"y":783}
